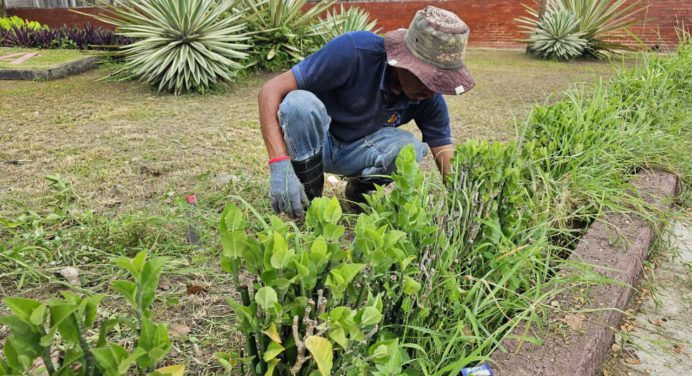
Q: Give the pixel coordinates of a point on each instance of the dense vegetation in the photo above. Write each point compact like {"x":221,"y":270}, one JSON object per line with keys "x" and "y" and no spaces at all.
{"x":429,"y":279}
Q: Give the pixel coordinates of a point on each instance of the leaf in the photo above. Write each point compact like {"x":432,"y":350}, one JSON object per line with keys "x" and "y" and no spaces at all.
{"x":177,"y":370}
{"x":332,"y":212}
{"x":281,"y":255}
{"x":266,"y":297}
{"x":319,"y":247}
{"x":371,"y":316}
{"x":62,"y":316}
{"x":272,"y":333}
{"x":240,"y":310}
{"x":411,"y":286}
{"x":232,"y":219}
{"x":127,"y":289}
{"x":349,"y":271}
{"x":380,"y":352}
{"x":338,"y":335}
{"x":321,"y":350}
{"x":38,"y":316}
{"x":234,"y":244}
{"x":333,"y":232}
{"x":273,"y":350}
{"x":270,"y":367}
{"x":22,"y":308}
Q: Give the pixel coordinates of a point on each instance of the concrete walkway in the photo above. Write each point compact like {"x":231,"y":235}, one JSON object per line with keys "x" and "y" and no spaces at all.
{"x":659,"y":340}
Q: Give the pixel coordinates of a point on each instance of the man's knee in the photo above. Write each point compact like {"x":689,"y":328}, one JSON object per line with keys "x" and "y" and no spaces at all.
{"x":304,"y":122}
{"x":300,"y":108}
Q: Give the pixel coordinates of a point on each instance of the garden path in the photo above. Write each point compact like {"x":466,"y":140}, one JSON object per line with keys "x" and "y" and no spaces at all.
{"x":660,"y":337}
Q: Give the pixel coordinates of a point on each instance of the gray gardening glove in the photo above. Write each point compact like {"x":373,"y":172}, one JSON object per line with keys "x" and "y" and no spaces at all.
{"x":286,"y":190}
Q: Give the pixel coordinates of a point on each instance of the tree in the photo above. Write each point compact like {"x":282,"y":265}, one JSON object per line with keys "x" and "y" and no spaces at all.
{"x":3,"y":7}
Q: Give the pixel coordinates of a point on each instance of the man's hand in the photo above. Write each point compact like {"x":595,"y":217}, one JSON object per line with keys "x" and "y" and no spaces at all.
{"x":443,"y":156}
{"x":287,"y":192}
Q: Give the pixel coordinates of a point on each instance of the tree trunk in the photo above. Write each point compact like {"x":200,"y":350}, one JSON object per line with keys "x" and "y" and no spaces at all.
{"x":3,"y":10}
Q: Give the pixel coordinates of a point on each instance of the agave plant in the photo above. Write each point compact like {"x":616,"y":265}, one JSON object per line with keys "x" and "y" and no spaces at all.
{"x":602,"y":22}
{"x":353,"y":19}
{"x":180,"y":45}
{"x":557,"y":37}
{"x":283,"y":32}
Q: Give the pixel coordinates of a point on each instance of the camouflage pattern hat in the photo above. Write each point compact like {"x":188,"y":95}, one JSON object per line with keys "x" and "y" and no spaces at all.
{"x":432,"y":48}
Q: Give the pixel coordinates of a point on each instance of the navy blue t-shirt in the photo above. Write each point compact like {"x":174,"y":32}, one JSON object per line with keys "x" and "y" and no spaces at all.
{"x":348,"y":76}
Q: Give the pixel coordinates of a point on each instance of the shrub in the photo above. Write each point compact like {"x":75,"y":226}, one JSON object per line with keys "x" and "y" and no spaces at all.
{"x":600,"y":23}
{"x":87,"y":37}
{"x":353,"y":19}
{"x":556,"y":37}
{"x":8,"y":23}
{"x":282,"y":33}
{"x":180,"y":46}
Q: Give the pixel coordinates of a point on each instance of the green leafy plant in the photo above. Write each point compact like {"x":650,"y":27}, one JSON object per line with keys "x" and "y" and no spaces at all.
{"x":344,"y":21}
{"x":34,"y":327}
{"x":603,"y":24}
{"x":180,"y":46}
{"x":8,"y":23}
{"x":557,"y":37}
{"x":305,"y":298}
{"x":282,"y":32}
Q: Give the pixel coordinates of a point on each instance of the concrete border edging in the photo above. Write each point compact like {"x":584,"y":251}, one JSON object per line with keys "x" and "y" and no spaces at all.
{"x":619,"y":245}
{"x":52,"y":73}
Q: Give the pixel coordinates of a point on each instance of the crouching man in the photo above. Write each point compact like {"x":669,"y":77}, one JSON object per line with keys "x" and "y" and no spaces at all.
{"x":339,"y":109}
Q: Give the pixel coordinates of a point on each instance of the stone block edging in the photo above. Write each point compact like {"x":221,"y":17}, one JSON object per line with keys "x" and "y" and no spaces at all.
{"x":59,"y":71}
{"x":618,"y":245}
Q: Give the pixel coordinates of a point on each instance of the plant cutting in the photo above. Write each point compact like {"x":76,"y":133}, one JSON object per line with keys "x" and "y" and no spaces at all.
{"x":306,"y":300}
{"x":35,"y":327}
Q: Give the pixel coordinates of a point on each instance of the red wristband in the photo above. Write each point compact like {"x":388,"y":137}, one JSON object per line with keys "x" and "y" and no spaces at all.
{"x":279,"y":159}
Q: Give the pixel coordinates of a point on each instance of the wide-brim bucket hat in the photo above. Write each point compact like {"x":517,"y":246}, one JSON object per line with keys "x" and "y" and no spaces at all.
{"x":433,"y":49}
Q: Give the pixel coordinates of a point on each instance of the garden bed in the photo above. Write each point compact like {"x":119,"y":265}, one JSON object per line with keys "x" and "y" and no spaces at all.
{"x":33,"y":64}
{"x":579,"y":332}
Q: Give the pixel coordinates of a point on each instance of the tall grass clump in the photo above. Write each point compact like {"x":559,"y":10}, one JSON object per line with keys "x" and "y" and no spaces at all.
{"x":515,"y":210}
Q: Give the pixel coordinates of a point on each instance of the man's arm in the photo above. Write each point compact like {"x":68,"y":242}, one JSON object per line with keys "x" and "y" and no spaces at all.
{"x":270,"y":97}
{"x":443,"y":156}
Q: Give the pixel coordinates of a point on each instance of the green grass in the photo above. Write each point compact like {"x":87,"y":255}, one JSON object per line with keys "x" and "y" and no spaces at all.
{"x":127,"y":157}
{"x":45,"y":58}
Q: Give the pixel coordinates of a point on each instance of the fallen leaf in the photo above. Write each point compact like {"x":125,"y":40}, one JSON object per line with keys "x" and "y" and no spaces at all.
{"x":615,"y":347}
{"x":606,"y":372}
{"x":71,"y":275}
{"x":574,"y":321}
{"x":656,"y":322}
{"x":178,"y":330}
{"x":630,"y":357}
{"x":195,"y":289}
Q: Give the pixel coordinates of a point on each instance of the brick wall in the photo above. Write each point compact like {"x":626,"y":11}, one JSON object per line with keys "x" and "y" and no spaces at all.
{"x":491,"y":21}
